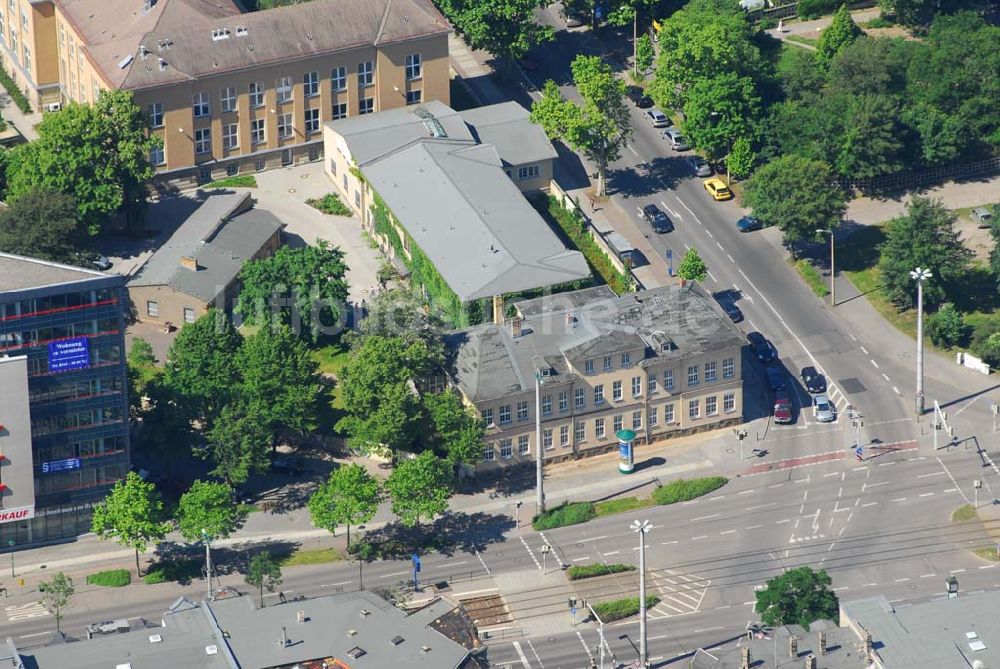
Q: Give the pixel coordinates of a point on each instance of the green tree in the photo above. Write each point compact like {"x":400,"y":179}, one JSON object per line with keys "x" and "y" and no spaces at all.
{"x":56,"y":595}
{"x":456,"y":430}
{"x":208,"y":507}
{"x":363,"y":552}
{"x":798,"y":195}
{"x":97,"y":152}
{"x":403,"y":314}
{"x":132,"y":515}
{"x":868,"y":65}
{"x":142,"y":370}
{"x":349,"y":497}
{"x":201,"y":365}
{"x":741,"y":158}
{"x":915,"y":13}
{"x":798,"y":74}
{"x":841,"y":32}
{"x":505,"y":28}
{"x":420,"y":488}
{"x":42,"y":224}
{"x":719,"y":110}
{"x":702,"y":41}
{"x":263,"y":572}
{"x":925,"y":236}
{"x":599,"y":127}
{"x":141,"y":353}
{"x":800,"y":596}
{"x":946,"y":327}
{"x":644,"y":54}
{"x":692,"y":267}
{"x":279,"y":376}
{"x":995,"y":252}
{"x":303,"y":288}
{"x":166,"y":429}
{"x":239,"y":442}
{"x":868,"y":142}
{"x":392,"y":425}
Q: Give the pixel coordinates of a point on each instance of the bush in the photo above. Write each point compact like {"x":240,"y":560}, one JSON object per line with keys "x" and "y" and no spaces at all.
{"x":330,"y":204}
{"x":16,"y":94}
{"x":620,"y":505}
{"x":113,"y":578}
{"x":683,"y":491}
{"x":563,"y":515}
{"x":946,"y":327}
{"x":238,"y":181}
{"x":811,"y":9}
{"x":768,"y":23}
{"x":182,"y":570}
{"x":812,"y":277}
{"x":573,"y":226}
{"x":575,"y":573}
{"x":622,"y":608}
{"x":878,"y":22}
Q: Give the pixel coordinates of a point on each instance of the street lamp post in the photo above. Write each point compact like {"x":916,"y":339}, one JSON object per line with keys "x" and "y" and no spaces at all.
{"x":641,"y":528}
{"x":10,"y":545}
{"x":539,"y":491}
{"x":920,"y":275}
{"x":208,"y":561}
{"x":833,"y":267}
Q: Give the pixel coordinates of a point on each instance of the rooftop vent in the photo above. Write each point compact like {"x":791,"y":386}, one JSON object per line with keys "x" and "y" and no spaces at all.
{"x":165,"y":44}
{"x":123,"y":666}
{"x":356,"y":652}
{"x":242,"y":31}
{"x":125,"y":62}
{"x":163,"y":65}
{"x":155,"y":638}
{"x":300,"y":617}
{"x":425,"y":649}
{"x":396,"y":640}
{"x":220,"y":33}
{"x":211,"y":650}
{"x":365,"y":613}
{"x":352,"y":632}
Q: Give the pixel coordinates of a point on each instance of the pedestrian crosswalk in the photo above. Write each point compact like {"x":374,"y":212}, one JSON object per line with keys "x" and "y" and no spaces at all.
{"x":679,"y":593}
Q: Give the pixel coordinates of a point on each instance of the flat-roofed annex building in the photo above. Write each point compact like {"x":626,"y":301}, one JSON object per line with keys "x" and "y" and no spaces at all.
{"x":228,"y":91}
{"x":68,"y":325}
{"x":661,"y":362}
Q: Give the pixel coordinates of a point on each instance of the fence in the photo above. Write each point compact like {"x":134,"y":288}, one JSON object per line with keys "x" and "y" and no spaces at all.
{"x":792,"y":9}
{"x":924,"y":177}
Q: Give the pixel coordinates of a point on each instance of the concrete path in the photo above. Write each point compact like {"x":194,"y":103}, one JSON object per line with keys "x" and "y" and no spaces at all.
{"x":955,"y":195}
{"x":25,"y":123}
{"x":814,"y":27}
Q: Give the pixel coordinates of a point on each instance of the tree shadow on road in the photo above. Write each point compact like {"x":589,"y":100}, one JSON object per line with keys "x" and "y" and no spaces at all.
{"x":658,"y":175}
{"x":452,"y":533}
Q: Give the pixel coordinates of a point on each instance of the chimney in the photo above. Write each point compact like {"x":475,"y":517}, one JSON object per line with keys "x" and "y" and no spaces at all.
{"x":515,"y":327}
{"x":570,"y":319}
{"x":189,"y":262}
{"x":822,"y":643}
{"x":793,"y":646}
{"x":811,"y":662}
{"x":745,"y":657}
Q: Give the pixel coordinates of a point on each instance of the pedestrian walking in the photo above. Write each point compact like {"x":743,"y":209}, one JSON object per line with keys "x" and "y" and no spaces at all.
{"x":781,"y":26}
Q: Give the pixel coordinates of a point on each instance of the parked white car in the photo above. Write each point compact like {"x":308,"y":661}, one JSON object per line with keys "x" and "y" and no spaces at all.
{"x":823,"y":409}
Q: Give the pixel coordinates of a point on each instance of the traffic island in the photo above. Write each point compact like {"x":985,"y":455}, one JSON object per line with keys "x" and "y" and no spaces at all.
{"x":967,"y":514}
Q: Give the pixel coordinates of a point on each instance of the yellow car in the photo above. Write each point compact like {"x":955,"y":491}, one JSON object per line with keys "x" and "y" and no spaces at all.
{"x":718,"y":189}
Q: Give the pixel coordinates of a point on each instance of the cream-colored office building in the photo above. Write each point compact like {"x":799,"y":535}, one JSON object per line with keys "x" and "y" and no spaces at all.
{"x":229,"y":92}
{"x":661,"y":362}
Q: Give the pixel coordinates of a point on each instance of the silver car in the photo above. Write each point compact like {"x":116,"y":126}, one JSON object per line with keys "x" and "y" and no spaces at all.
{"x":658,"y":118}
{"x":823,"y":409}
{"x":676,"y":139}
{"x":700,"y":166}
{"x":982,"y":217}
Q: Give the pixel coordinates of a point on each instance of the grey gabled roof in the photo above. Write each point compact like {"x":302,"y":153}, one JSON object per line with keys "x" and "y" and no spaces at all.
{"x":219,"y":237}
{"x":508,"y":127}
{"x":471,"y":220}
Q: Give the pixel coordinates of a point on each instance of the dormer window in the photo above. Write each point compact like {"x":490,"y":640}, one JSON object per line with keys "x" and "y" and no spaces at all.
{"x":220,"y":34}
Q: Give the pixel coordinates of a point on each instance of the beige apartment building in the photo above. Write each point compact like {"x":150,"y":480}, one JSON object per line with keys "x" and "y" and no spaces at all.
{"x":661,"y":362}
{"x":230,"y":92}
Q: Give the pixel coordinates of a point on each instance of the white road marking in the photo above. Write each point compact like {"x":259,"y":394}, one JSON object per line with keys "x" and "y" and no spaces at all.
{"x":928,"y":575}
{"x":954,"y":482}
{"x":896,"y":390}
{"x":874,"y":363}
{"x":686,"y":245}
{"x":395,"y":573}
{"x":753,"y":527}
{"x":864,"y":350}
{"x":720,"y":247}
{"x":667,"y":543}
{"x":704,"y":536}
{"x":886,"y":376}
{"x":714,"y":515}
{"x":957,"y":571}
{"x":866,"y":486}
{"x":710,"y":233}
{"x":901,"y":580}
{"x":785,"y":520}
{"x":712,"y":277}
{"x":535,"y":652}
{"x":28,"y":636}
{"x":869,"y":504}
{"x":730,"y":258}
{"x":923,"y":476}
{"x":634,"y":153}
{"x":611,"y":553}
{"x":579,"y":559}
{"x":728,"y":532}
{"x":330,"y":585}
{"x":583,"y":541}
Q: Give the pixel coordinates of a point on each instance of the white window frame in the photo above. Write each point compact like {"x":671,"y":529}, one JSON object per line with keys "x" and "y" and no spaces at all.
{"x":711,"y":405}
{"x":546,"y":405}
{"x":637,"y":420}
{"x":599,"y":428}
{"x":564,"y":435}
{"x":563,"y":401}
{"x":504,"y":414}
{"x":617,"y":423}
{"x":522,"y":410}
{"x":202,"y":141}
{"x":366,"y":73}
{"x":693,"y":372}
{"x":668,"y":413}
{"x":711,"y":372}
{"x":201,"y":104}
{"x":506,"y":449}
{"x":283,"y":89}
{"x":616,"y":391}
{"x":285,"y":125}
{"x":626,"y":359}
{"x":414,"y":96}
{"x":258,"y":131}
{"x":598,"y":394}
{"x":579,"y":398}
{"x":230,"y":136}
{"x":489,"y":453}
{"x":487,"y":416}
{"x":728,"y":368}
{"x":523,"y":445}
{"x":338,"y":79}
{"x":547,"y":438}
{"x":588,"y":366}
{"x":255,"y":93}
{"x":312,"y":121}
{"x":652,"y":387}
{"x":338,"y":110}
{"x":694,"y":409}
{"x":155,"y":113}
{"x":580,"y":432}
{"x":414,"y":66}
{"x":155,"y":152}
{"x":153,"y":308}
{"x":310,"y":84}
{"x":636,"y":386}
{"x":189,"y":315}
{"x":729,"y":402}
{"x":227,"y":99}
{"x":668,"y":379}
{"x":528,"y":172}
{"x":654,"y":417}
{"x":366,"y":106}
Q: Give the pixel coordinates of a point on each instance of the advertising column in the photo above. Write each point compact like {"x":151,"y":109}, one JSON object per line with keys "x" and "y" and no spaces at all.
{"x":626,"y":452}
{"x":17,"y":481}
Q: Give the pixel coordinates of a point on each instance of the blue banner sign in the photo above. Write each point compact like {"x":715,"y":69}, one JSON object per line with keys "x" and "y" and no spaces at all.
{"x":60,"y":465}
{"x":69,"y":354}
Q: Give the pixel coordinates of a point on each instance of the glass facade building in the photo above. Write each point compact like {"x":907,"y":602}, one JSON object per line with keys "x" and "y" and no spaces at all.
{"x":70,"y":324}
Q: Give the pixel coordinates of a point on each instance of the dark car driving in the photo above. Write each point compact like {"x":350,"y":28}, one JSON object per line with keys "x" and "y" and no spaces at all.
{"x":762,"y":348}
{"x":656,"y":218}
{"x":748,"y":224}
{"x":733,"y":311}
{"x":776,"y":377}
{"x":814,"y":382}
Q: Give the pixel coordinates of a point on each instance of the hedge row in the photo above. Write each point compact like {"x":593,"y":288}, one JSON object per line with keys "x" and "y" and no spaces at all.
{"x":16,"y":94}
{"x":564,"y":514}
{"x":622,"y":608}
{"x":575,"y":573}
{"x":113,"y":578}
{"x":684,"y":491}
{"x":572,"y":224}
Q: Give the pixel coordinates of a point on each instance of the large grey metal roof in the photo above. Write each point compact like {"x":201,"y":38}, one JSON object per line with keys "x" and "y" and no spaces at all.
{"x":931,"y":635}
{"x":20,"y":273}
{"x":489,"y":362}
{"x":334,"y":626}
{"x":773,"y":652}
{"x":508,"y":127}
{"x":221,"y":240}
{"x":471,"y":220}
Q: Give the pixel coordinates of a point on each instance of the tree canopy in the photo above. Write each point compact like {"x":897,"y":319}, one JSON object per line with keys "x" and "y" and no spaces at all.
{"x":741,"y":158}
{"x":43,"y":223}
{"x":800,"y":596}
{"x":239,"y":442}
{"x":600,"y":126}
{"x":420,"y":488}
{"x":208,"y":507}
{"x":841,"y":32}
{"x":263,"y":573}
{"x":505,"y":28}
{"x":798,"y":195}
{"x":455,"y":429}
{"x":718,"y":111}
{"x":301,"y":288}
{"x":692,"y":267}
{"x":349,"y":497}
{"x":132,"y":515}
{"x":98,"y":153}
{"x":56,"y":595}
{"x":924,"y":237}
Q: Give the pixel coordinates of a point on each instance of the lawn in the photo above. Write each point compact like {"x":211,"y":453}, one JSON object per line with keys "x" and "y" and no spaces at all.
{"x":330,"y":204}
{"x":332,"y":358}
{"x":239,"y":181}
{"x":311,"y":556}
{"x":802,"y":39}
{"x":812,"y":277}
{"x":113,"y":578}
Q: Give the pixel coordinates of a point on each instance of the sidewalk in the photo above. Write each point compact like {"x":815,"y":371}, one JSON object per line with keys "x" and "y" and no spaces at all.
{"x":814,"y":27}
{"x":25,"y":123}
